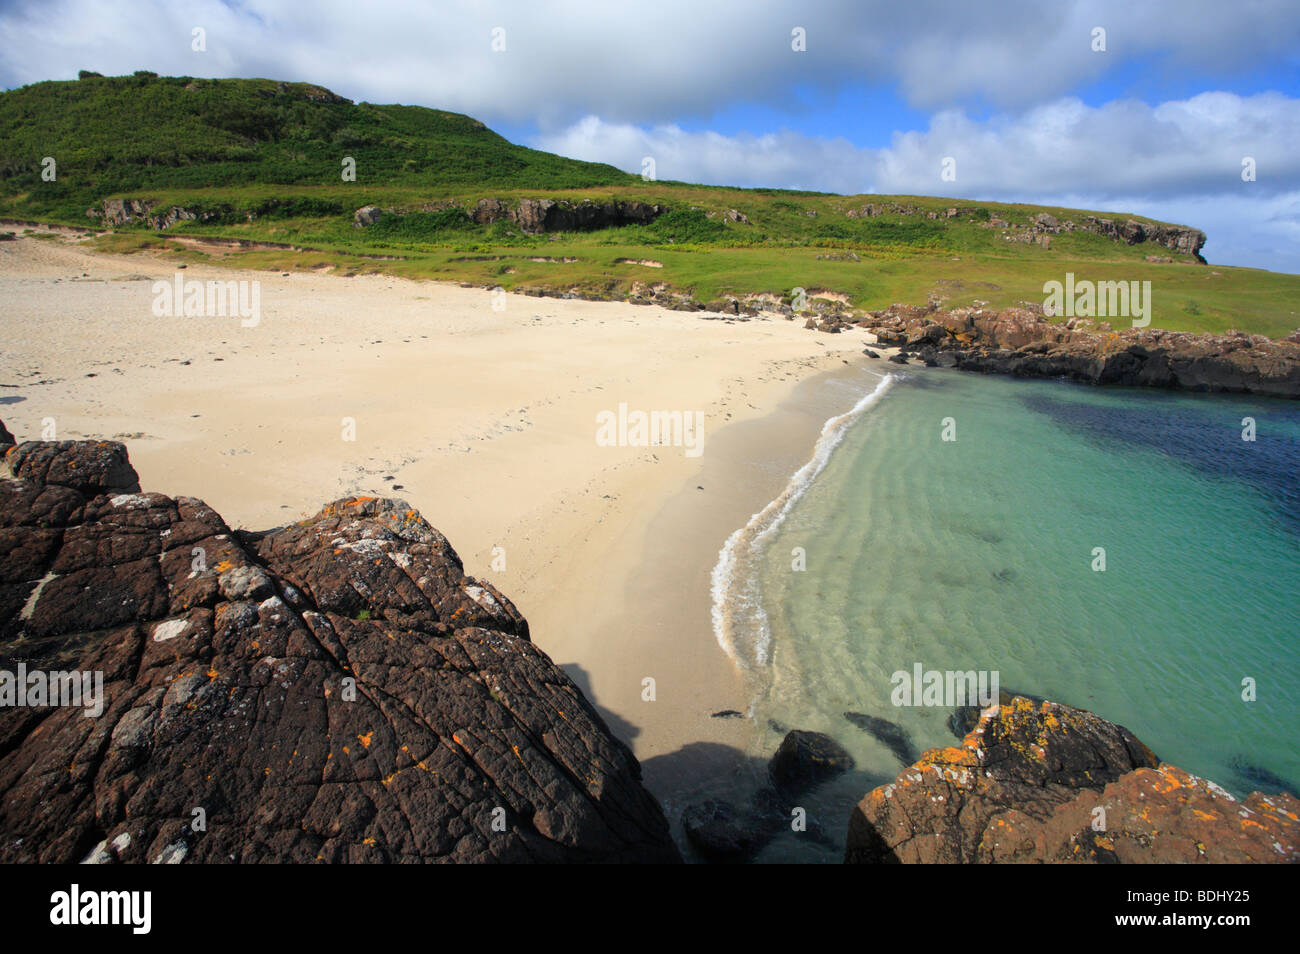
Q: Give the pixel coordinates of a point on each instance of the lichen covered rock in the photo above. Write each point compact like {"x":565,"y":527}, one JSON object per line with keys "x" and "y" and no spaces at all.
{"x":335,"y":690}
{"x":1042,"y":782}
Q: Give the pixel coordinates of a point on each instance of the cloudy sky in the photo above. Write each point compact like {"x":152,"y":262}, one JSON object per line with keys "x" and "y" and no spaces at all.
{"x":1019,"y":93}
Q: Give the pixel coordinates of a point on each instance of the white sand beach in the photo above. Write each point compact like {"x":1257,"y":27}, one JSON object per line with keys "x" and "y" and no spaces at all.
{"x":484,"y":420}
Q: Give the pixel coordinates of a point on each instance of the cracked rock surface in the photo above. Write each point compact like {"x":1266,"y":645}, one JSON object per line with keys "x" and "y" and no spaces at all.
{"x":1038,"y":781}
{"x":334,"y":690}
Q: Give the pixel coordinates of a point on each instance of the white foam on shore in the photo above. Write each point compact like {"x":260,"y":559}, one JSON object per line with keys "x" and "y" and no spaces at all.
{"x":737,"y":609}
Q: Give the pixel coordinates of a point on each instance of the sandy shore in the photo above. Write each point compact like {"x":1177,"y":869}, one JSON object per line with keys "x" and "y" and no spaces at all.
{"x":483,"y":419}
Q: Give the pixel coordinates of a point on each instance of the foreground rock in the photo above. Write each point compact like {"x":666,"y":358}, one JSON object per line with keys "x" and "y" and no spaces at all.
{"x":336,"y":690}
{"x":1024,"y":343}
{"x":805,"y":759}
{"x":723,"y":833}
{"x":1047,"y":783}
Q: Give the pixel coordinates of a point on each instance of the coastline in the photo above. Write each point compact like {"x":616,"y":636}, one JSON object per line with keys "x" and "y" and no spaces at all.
{"x":484,"y":421}
{"x":616,"y":579}
{"x":681,"y":741}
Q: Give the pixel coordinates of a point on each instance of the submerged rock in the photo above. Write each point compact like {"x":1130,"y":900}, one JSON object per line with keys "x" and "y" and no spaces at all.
{"x":1044,"y":782}
{"x":334,"y":690}
{"x":1260,"y":777}
{"x":894,"y":736}
{"x":723,"y":834}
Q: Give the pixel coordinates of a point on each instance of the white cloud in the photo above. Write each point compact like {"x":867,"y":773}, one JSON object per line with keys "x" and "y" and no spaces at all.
{"x":1180,"y":161}
{"x":643,"y":67}
{"x":646,"y":62}
{"x":784,"y":160}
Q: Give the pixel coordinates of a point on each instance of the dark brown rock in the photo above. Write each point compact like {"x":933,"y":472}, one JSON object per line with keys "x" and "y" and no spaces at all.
{"x":1047,"y":783}
{"x":89,"y":467}
{"x":722,"y":834}
{"x":805,"y":759}
{"x":334,"y":690}
{"x":1024,"y":343}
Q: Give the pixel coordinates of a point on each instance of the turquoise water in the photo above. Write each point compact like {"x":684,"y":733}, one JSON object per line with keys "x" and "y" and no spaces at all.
{"x":978,"y":554}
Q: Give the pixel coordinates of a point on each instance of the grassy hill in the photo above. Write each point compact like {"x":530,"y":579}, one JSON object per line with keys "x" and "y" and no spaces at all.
{"x":261,"y":161}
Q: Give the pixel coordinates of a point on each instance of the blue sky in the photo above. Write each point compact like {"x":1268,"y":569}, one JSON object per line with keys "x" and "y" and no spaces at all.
{"x":1017,"y":92}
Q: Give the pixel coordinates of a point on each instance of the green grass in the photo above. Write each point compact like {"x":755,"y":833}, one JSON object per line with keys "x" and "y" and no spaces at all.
{"x":265,"y":159}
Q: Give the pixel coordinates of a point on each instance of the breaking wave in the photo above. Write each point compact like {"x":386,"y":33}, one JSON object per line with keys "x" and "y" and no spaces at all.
{"x":740,"y":624}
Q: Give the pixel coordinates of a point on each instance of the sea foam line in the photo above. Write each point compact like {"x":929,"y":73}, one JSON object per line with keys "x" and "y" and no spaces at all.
{"x":735,"y":603}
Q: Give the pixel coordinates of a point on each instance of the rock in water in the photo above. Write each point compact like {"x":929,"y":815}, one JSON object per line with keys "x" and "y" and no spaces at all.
{"x":806,"y":758}
{"x":962,"y":719}
{"x":965,"y":718}
{"x":1044,"y":782}
{"x":894,"y":736}
{"x":335,"y":690}
{"x":722,"y":834}
{"x":1260,"y":777}
{"x":1026,"y":343}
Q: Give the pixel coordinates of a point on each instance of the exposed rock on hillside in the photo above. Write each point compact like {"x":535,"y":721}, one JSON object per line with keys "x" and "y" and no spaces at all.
{"x":1047,"y":783}
{"x":549,"y":215}
{"x":335,"y":690}
{"x":115,"y":212}
{"x":1021,"y":342}
{"x":367,"y":215}
{"x":1182,"y":240}
{"x":1041,"y":227}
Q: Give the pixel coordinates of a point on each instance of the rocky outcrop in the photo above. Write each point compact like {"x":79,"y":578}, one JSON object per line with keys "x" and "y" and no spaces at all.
{"x":550,"y":215}
{"x":1040,"y":227}
{"x":1185,"y":241}
{"x":118,"y":212}
{"x":1042,"y":782}
{"x":1022,"y":342}
{"x":88,"y":467}
{"x":334,"y":690}
{"x":367,"y":215}
{"x":723,"y":833}
{"x":806,"y":758}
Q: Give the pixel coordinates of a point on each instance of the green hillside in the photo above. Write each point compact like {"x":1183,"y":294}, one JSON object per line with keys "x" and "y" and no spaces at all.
{"x":114,"y":135}
{"x":261,"y":161}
